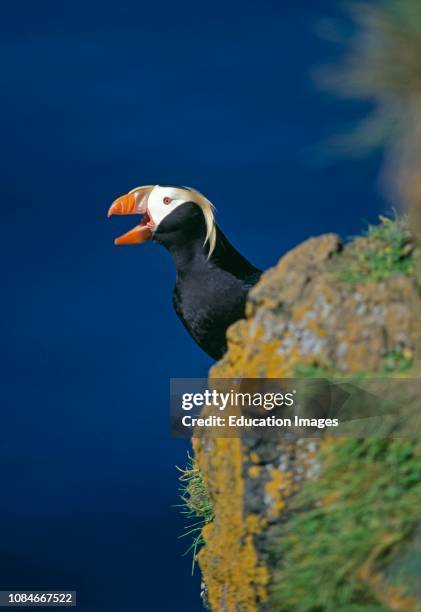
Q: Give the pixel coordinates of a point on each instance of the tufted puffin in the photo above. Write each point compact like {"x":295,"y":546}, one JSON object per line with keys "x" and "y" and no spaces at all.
{"x":212,"y":278}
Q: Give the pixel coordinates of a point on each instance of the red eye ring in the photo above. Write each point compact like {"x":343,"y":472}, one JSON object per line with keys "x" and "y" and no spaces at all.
{"x":167,"y":200}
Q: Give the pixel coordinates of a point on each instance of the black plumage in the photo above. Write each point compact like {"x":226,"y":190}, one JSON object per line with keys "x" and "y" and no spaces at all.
{"x":209,"y":293}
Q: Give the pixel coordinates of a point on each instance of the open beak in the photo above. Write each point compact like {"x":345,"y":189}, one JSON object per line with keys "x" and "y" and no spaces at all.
{"x":133,"y":203}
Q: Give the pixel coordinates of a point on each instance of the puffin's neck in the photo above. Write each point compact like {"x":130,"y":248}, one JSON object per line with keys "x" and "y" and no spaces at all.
{"x":189,"y":255}
{"x":192,"y":254}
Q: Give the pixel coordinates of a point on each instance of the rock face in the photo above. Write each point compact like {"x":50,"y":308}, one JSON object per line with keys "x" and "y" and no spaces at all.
{"x":320,"y":524}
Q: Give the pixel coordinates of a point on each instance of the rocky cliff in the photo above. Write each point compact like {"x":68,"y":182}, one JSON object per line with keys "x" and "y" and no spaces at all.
{"x":319,"y":524}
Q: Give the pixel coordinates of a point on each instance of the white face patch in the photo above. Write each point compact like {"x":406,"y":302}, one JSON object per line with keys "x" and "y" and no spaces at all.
{"x":162,"y":201}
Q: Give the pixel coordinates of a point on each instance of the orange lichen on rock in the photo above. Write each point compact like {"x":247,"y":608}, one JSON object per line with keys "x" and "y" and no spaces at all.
{"x":254,"y":471}
{"x":279,"y":486}
{"x":235,"y":578}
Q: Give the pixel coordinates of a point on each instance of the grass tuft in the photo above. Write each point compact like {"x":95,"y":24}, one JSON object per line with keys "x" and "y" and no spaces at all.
{"x":385,"y":250}
{"x":196,"y":506}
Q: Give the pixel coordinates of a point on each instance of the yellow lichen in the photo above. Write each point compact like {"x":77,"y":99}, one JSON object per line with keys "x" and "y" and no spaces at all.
{"x":254,"y":457}
{"x":277,"y":489}
{"x":254,"y":471}
{"x":234,"y":576}
{"x":255,"y":523}
{"x":263,"y":360}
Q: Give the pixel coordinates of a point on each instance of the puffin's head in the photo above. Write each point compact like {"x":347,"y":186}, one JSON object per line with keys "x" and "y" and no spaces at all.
{"x":157,"y":204}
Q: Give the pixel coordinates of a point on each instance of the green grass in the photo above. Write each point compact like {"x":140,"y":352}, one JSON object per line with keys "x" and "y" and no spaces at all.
{"x":365,"y":501}
{"x":314,"y":370}
{"x":393,"y":362}
{"x":196,"y":506}
{"x":385,"y":250}
{"x":397,"y":361}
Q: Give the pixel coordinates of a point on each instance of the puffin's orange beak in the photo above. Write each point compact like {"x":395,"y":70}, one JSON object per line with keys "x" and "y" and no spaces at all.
{"x":124,"y":205}
{"x":128,"y":204}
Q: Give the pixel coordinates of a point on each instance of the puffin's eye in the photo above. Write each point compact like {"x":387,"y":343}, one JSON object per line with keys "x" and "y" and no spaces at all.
{"x":167,"y":200}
